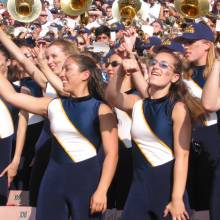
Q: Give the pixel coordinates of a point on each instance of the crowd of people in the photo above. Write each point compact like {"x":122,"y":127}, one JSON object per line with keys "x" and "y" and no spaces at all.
{"x":101,"y":120}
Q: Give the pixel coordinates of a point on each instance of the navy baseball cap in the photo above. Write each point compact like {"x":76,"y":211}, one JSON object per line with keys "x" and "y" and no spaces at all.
{"x":172,"y":45}
{"x":152,"y":41}
{"x":117,"y":26}
{"x":82,"y":30}
{"x":196,"y":31}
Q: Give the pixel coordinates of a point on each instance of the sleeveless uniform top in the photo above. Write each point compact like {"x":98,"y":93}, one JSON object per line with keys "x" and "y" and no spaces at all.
{"x":35,"y":91}
{"x":152,"y":132}
{"x":7,"y":127}
{"x":74,"y":124}
{"x":50,"y":91}
{"x":124,"y":125}
{"x":195,"y":86}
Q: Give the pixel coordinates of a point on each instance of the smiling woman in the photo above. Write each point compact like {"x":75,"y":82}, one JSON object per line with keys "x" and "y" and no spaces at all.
{"x":81,"y":124}
{"x":159,"y":154}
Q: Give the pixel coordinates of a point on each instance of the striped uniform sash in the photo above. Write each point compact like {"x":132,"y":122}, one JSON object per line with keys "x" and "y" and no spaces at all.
{"x":154,"y":150}
{"x":196,"y":91}
{"x":77,"y":146}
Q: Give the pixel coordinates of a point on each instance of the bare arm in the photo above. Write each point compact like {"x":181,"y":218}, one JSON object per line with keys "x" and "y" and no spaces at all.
{"x":31,"y":69}
{"x":108,"y":128}
{"x":22,"y":101}
{"x":54,"y":80}
{"x":12,"y":168}
{"x":211,"y":90}
{"x":182,"y":135}
{"x":140,"y":83}
{"x":116,"y":98}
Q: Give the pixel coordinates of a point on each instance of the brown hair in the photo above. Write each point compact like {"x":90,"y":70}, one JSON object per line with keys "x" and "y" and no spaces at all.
{"x":179,"y":92}
{"x":95,"y":82}
{"x":68,"y":47}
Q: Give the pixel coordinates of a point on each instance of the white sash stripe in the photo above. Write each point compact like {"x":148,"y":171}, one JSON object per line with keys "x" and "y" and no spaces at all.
{"x":197,"y":92}
{"x":154,"y":150}
{"x":74,"y":143}
{"x":7,"y":127}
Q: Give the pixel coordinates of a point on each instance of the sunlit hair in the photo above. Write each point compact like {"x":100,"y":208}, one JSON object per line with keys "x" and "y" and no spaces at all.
{"x":68,"y":47}
{"x":188,"y":67}
{"x":210,"y":60}
{"x":95,"y":81}
{"x":179,"y":92}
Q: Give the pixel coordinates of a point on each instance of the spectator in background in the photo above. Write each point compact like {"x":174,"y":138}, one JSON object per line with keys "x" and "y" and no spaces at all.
{"x":80,"y":42}
{"x":102,"y":34}
{"x":158,"y":27}
{"x":216,"y":8}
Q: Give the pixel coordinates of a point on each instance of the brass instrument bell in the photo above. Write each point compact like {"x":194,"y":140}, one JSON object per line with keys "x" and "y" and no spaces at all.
{"x":24,"y":10}
{"x":192,"y":9}
{"x":126,"y":10}
{"x":75,"y":7}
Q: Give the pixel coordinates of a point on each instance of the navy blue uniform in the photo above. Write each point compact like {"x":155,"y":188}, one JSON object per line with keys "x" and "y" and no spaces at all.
{"x":121,"y":182}
{"x":35,"y":122}
{"x":74,"y":169}
{"x":7,"y":113}
{"x":42,"y":153}
{"x":153,"y":160}
{"x":204,"y":177}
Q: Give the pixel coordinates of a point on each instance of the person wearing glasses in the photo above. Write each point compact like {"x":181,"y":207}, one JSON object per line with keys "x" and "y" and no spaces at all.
{"x":160,"y":132}
{"x":75,"y":183}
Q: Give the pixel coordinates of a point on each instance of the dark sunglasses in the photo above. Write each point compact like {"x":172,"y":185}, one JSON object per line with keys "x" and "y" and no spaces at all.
{"x":113,"y":63}
{"x":162,"y":64}
{"x":81,"y":43}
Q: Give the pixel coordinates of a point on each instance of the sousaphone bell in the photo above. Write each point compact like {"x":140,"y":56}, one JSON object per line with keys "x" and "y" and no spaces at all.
{"x":75,"y":7}
{"x":24,"y":10}
{"x":192,"y":9}
{"x":126,"y":10}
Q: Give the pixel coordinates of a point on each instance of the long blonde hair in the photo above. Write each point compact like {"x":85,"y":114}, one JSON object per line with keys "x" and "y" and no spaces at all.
{"x":210,"y":60}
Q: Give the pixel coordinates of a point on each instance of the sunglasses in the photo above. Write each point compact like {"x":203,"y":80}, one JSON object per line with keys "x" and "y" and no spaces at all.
{"x":113,"y":63}
{"x":81,"y":43}
{"x":162,"y":64}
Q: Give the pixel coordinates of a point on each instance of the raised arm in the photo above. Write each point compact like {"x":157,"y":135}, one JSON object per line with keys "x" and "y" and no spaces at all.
{"x":182,"y":136}
{"x":140,"y":81}
{"x":108,"y":129}
{"x":52,"y":78}
{"x":26,"y":102}
{"x":30,"y":67}
{"x":211,"y":90}
{"x":114,"y":95}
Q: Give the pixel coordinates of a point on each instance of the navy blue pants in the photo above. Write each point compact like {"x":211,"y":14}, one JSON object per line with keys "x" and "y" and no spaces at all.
{"x":204,"y":170}
{"x":118,"y":191}
{"x":22,"y":180}
{"x":5,"y":158}
{"x":66,"y":190}
{"x":215,"y":196}
{"x":41,"y":159}
{"x":150,"y":192}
